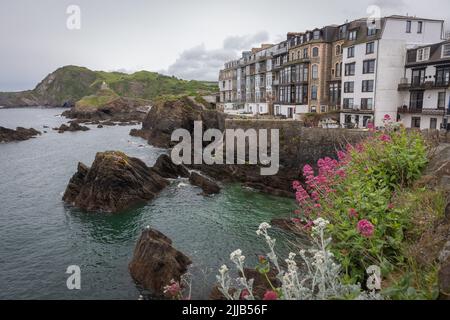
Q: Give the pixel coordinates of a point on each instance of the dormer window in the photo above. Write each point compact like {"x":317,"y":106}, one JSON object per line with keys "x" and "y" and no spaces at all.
{"x":316,"y":35}
{"x":446,"y":51}
{"x":423,"y":54}
{"x":352,"y":35}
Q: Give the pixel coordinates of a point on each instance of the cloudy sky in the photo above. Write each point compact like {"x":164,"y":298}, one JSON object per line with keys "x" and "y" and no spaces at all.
{"x":190,"y":39}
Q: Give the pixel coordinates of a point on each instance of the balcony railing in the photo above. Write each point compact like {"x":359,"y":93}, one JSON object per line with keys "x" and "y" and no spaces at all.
{"x":425,"y":111}
{"x":357,"y":108}
{"x":423,"y":85}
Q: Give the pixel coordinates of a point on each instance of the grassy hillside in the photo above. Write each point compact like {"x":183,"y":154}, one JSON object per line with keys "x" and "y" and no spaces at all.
{"x":69,"y":84}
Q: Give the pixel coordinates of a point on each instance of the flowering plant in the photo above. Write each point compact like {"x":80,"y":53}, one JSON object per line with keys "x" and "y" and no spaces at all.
{"x":315,"y":276}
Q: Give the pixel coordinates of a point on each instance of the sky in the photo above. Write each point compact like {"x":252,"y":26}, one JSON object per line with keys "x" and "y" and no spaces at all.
{"x":190,"y":39}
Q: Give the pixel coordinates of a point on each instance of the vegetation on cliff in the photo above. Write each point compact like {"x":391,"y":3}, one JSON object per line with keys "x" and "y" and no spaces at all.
{"x":69,"y":84}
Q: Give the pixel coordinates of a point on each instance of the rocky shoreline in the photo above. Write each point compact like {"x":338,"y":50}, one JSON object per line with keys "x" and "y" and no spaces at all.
{"x":20,"y":134}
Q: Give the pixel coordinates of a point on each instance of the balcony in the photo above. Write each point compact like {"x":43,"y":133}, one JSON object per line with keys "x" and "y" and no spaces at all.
{"x":422,"y":85}
{"x":357,"y":109}
{"x":424,"y":111}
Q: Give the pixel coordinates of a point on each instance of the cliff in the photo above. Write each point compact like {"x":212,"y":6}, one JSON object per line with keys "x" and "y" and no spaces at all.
{"x":67,"y":85}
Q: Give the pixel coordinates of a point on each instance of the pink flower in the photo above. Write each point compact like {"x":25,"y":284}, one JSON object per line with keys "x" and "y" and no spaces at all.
{"x":308,"y":171}
{"x":341,"y":155}
{"x":370,"y":126}
{"x":352,"y":213}
{"x":385,"y":138}
{"x":340,"y":173}
{"x":390,"y":206}
{"x":295,"y":185}
{"x":317,"y":205}
{"x":365,"y":228}
{"x":270,"y":295}
{"x":244,"y":294}
{"x":387,"y":117}
{"x":173,"y":289}
{"x":295,"y":220}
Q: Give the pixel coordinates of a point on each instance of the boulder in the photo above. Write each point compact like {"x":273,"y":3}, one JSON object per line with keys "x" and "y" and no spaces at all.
{"x":167,"y":169}
{"x":156,"y":262}
{"x":20,"y":134}
{"x":74,"y":126}
{"x":167,"y":116}
{"x":114,"y":183}
{"x":208,"y":186}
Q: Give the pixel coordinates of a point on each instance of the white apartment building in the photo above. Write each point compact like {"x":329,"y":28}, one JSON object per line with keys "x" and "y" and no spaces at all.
{"x":377,"y":63}
{"x":425,"y":89}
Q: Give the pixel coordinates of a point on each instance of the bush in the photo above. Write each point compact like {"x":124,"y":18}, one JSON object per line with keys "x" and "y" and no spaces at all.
{"x":355,"y":194}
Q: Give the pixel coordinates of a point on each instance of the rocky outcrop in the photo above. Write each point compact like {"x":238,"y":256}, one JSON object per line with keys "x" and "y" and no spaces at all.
{"x":72,"y":127}
{"x":208,"y":186}
{"x":156,"y":262}
{"x":167,"y":169}
{"x":20,"y":134}
{"x":113,"y":183}
{"x":167,"y":116}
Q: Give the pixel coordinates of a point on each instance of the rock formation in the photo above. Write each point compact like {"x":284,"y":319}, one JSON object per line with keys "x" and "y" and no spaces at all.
{"x":165,"y":117}
{"x":20,"y":134}
{"x":167,"y":169}
{"x":208,"y":186}
{"x":73,"y":126}
{"x":156,"y":262}
{"x":113,"y":183}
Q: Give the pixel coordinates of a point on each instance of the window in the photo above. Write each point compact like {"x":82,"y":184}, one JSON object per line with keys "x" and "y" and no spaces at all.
{"x":314,"y":92}
{"x":350,"y":69}
{"x":313,"y":109}
{"x":348,"y":103}
{"x":349,"y":87}
{"x":416,"y":100}
{"x":305,"y":53}
{"x":423,"y":54}
{"x":369,"y":66}
{"x":366,"y":120}
{"x":433,"y":123}
{"x":446,"y":50}
{"x":323,"y":108}
{"x":441,"y":100}
{"x":418,"y":77}
{"x":419,"y":26}
{"x":338,"y":50}
{"x":372,"y":30}
{"x":370,"y":47}
{"x":316,"y":35}
{"x":367,"y":86}
{"x":315,"y":52}
{"x":352,"y":35}
{"x":315,"y":71}
{"x":408,"y":26}
{"x":335,"y":93}
{"x":351,"y":52}
{"x":338,"y":70}
{"x":366,"y":104}
{"x":443,"y":76}
{"x":348,"y":119}
{"x":415,"y":122}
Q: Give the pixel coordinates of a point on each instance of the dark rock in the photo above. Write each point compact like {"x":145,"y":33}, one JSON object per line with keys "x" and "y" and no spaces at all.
{"x":114,"y":182}
{"x":208,"y":186}
{"x":100,"y":126}
{"x":167,"y":169}
{"x":165,"y":117}
{"x":156,"y":262}
{"x":74,"y":126}
{"x":20,"y":134}
{"x":444,"y":280}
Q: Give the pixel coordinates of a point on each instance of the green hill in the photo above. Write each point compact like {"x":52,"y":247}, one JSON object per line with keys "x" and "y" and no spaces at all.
{"x":69,"y":84}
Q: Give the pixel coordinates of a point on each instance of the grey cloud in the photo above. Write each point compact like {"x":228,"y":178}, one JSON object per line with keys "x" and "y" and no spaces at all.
{"x":200,"y":63}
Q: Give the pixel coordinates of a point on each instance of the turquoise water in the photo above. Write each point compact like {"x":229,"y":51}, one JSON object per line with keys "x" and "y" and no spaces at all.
{"x":40,"y":236}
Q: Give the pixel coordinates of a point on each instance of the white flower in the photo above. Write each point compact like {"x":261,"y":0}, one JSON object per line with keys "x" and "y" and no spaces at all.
{"x":223,"y":269}
{"x":235,"y":254}
{"x":292,"y":256}
{"x":321,"y":223}
{"x":264,"y":226}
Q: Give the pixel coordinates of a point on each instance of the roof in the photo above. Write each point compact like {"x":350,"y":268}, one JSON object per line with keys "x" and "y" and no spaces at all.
{"x":396,"y":16}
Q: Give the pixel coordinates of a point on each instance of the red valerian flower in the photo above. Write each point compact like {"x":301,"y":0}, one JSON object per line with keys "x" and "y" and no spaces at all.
{"x":353,"y":213}
{"x":385,"y":138}
{"x":270,"y":295}
{"x":244,"y":294}
{"x":365,"y":228}
{"x":387,"y":117}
